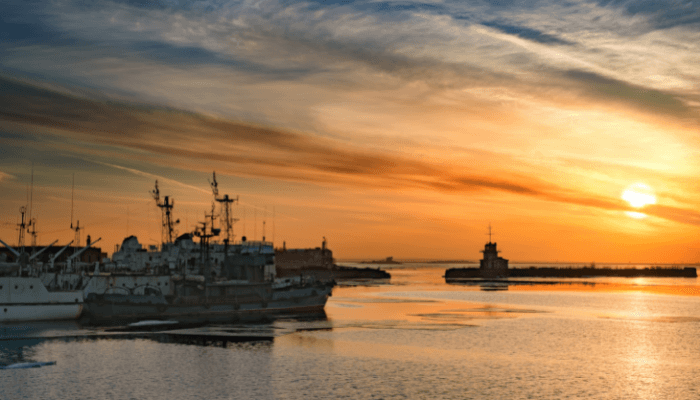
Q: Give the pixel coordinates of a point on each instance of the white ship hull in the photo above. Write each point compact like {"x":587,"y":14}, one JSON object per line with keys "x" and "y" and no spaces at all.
{"x":27,"y":299}
{"x":39,"y":312}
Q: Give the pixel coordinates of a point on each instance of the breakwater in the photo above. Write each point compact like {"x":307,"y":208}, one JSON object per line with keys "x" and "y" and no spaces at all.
{"x":585,"y":272}
{"x":337,"y":273}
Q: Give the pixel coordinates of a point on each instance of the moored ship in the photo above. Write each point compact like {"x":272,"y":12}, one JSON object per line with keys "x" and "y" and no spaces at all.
{"x":245,"y":286}
{"x":181,"y":278}
{"x":188,"y":279}
{"x":27,"y":298}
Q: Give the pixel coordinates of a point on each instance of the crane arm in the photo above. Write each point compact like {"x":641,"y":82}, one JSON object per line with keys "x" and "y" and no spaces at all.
{"x":55,"y":256}
{"x":83,"y":249}
{"x":15,"y":252}
{"x":41,"y":251}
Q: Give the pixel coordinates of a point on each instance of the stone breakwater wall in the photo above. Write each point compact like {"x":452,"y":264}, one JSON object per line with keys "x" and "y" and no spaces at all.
{"x":547,"y":272}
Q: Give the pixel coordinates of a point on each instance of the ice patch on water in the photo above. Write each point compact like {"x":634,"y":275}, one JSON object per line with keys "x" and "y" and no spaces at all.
{"x":150,"y":323}
{"x":28,"y":365}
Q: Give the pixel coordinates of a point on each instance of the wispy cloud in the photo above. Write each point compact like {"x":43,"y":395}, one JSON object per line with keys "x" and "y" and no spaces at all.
{"x":541,"y":101}
{"x":149,"y":175}
{"x":190,"y":141}
{"x":5,"y":176}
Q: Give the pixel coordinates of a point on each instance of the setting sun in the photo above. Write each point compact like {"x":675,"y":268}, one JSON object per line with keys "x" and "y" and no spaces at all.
{"x":639,"y":195}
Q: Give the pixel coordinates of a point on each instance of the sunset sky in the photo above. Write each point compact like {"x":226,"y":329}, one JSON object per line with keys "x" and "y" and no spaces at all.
{"x":392,"y":128}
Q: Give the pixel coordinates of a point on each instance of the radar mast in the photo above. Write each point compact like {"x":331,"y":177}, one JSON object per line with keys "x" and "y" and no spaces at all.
{"x":167,"y":224}
{"x":226,"y":208}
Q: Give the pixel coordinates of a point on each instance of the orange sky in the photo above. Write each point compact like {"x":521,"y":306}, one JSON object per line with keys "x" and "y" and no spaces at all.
{"x":392,"y":133}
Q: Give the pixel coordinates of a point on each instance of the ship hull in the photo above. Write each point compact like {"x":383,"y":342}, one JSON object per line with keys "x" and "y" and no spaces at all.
{"x":39,"y":312}
{"x":27,"y":299}
{"x":297,"y":301}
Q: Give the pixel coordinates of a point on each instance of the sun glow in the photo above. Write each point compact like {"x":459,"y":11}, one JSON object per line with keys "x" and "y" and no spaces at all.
{"x":639,"y":195}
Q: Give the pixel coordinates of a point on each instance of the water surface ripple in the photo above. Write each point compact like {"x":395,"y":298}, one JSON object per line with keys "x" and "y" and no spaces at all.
{"x":418,"y":338}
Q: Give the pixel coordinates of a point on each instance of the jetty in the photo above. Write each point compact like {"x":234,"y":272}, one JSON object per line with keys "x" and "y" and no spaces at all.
{"x":494,"y":267}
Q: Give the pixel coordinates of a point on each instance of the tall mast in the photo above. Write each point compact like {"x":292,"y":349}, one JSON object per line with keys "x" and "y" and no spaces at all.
{"x":77,"y":227}
{"x":212,"y":216}
{"x":201,"y":233}
{"x":167,"y":223}
{"x":32,"y":223}
{"x":21,"y":226}
{"x":226,"y":206}
{"x":31,"y":195}
{"x":72,"y":196}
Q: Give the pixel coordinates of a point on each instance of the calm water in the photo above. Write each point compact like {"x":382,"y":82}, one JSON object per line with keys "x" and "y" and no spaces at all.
{"x":414,"y":338}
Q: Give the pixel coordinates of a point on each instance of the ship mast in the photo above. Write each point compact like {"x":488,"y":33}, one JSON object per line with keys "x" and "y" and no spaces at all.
{"x":32,"y":223}
{"x":167,"y":224}
{"x":226,"y":206}
{"x":21,"y":226}
{"x":205,"y":261}
{"x":77,"y":227}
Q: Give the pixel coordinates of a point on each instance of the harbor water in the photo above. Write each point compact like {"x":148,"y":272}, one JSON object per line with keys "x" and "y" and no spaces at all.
{"x":413,"y":337}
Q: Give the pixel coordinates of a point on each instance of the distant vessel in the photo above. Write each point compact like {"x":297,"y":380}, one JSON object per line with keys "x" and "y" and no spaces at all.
{"x":388,"y":260}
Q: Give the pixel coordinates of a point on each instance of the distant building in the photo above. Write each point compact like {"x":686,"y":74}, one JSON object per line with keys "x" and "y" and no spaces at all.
{"x":492,"y":265}
{"x":298,"y":259}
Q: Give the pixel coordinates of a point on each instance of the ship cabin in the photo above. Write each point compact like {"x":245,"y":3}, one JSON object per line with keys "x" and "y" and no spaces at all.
{"x":492,"y":265}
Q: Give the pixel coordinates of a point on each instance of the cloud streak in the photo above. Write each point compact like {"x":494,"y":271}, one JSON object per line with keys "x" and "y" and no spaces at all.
{"x":5,"y":176}
{"x":185,"y":140}
{"x":148,"y":175}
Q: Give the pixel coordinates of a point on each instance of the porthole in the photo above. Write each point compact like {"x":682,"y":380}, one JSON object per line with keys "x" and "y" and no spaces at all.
{"x":16,"y":287}
{"x":158,"y":283}
{"x":31,"y":286}
{"x":76,"y":300}
{"x":0,"y":287}
{"x":166,"y":284}
{"x":6,"y":310}
{"x":124,"y":284}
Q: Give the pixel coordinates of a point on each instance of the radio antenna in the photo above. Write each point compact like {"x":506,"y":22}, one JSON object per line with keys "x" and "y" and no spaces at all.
{"x":31,"y":195}
{"x":72,"y":197}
